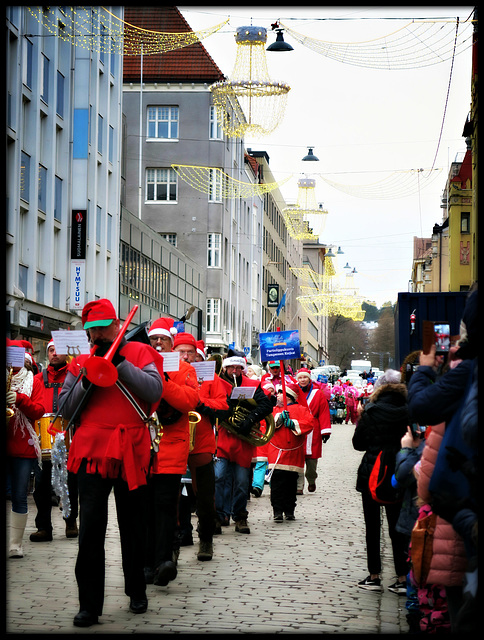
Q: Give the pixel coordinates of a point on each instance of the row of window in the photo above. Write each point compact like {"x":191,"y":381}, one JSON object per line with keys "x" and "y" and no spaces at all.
{"x":40,"y":286}
{"x":162,"y":185}
{"x":144,"y":280}
{"x":163,"y":123}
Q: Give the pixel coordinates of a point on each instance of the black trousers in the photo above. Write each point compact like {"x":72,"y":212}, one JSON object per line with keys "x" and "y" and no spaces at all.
{"x":203,"y":484}
{"x":372,"y":515}
{"x":43,"y":495}
{"x":284,"y":491}
{"x":94,"y":491}
{"x":161,"y":513}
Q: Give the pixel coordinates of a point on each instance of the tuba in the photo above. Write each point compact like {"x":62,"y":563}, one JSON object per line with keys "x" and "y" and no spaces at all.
{"x":241,"y":411}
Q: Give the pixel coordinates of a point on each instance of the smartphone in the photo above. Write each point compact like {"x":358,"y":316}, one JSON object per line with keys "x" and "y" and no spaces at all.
{"x":418,"y":430}
{"x":438,"y":333}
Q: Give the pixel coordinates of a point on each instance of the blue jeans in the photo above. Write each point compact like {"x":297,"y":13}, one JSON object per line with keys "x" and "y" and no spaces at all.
{"x":231,"y":489}
{"x":19,"y":470}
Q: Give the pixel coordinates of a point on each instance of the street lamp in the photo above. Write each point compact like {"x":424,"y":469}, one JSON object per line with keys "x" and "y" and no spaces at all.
{"x":310,"y":157}
{"x":279,"y":44}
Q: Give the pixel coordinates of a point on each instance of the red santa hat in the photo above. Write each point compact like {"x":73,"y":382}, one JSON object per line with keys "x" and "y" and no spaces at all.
{"x":24,"y":344}
{"x":291,"y":390}
{"x":184,"y":338}
{"x":163,"y":327}
{"x":305,"y":371}
{"x":201,"y":348}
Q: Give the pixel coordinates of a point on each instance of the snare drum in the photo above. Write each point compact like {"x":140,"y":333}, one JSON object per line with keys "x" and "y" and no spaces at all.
{"x":46,"y":439}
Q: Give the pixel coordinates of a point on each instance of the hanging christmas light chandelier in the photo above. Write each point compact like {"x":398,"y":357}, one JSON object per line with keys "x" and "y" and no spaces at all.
{"x":323,"y":295}
{"x":250,"y":103}
{"x":306,"y":219}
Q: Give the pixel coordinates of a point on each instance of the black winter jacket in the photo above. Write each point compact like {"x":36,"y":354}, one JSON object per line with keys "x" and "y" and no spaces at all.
{"x":433,"y":400}
{"x":382,"y":425}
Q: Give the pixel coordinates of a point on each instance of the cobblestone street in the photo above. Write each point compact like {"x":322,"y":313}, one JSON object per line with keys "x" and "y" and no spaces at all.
{"x":290,"y":577}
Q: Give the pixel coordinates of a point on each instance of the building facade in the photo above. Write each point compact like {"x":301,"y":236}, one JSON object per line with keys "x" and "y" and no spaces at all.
{"x":63,"y":169}
{"x":171,"y":122}
{"x":67,"y":239}
{"x":445,"y":262}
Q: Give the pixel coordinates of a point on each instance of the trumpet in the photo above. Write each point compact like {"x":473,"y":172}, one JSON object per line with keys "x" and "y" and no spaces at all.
{"x":193,"y":419}
{"x":10,"y":410}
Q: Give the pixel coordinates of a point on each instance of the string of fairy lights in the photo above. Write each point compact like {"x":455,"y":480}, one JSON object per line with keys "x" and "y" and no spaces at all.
{"x":420,"y":43}
{"x":100,"y":31}
{"x":250,"y":103}
{"x":399,"y":184}
{"x":218,"y":184}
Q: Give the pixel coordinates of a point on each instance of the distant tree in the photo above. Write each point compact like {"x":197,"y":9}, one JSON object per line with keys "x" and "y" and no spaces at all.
{"x":346,"y":339}
{"x":371,"y":312}
{"x":383,"y":336}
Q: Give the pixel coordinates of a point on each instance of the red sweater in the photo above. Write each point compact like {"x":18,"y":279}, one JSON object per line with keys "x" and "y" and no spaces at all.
{"x":181,"y":392}
{"x":112,"y":436}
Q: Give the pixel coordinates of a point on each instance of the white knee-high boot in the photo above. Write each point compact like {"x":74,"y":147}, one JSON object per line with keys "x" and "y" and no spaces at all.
{"x":18,"y":522}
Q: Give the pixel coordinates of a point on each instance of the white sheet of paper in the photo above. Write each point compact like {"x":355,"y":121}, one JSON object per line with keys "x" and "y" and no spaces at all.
{"x":15,"y":356}
{"x":171,"y":360}
{"x":205,"y":370}
{"x":71,"y":343}
{"x":243,"y":392}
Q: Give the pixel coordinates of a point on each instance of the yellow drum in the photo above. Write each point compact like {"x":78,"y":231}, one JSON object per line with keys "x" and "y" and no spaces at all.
{"x":47,"y":439}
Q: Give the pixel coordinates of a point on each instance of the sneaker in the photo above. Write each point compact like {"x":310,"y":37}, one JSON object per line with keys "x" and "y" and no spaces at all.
{"x":290,"y":516}
{"x":241,"y":526}
{"x":256,"y":492}
{"x":371,"y":584}
{"x":399,"y":588}
{"x":278,"y":517}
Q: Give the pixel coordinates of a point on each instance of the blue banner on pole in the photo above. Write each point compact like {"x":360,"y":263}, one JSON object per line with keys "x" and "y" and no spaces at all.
{"x":279,"y":345}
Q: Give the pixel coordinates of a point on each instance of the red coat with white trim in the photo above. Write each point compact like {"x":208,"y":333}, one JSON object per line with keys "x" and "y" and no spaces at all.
{"x":213,"y":395}
{"x":286,"y":449}
{"x":318,"y":405}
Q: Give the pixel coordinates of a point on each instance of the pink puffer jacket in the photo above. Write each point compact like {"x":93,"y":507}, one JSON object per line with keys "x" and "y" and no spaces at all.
{"x":449,"y":558}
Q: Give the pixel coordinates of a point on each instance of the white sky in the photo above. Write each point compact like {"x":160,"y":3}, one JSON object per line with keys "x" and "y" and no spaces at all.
{"x":364,"y":124}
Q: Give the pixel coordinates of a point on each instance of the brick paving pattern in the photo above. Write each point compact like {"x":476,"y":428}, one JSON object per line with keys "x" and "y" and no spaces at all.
{"x":291,"y":577}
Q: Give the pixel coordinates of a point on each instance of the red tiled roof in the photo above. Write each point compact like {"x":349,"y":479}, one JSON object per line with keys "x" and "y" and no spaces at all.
{"x":188,"y":64}
{"x":465,"y":171}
